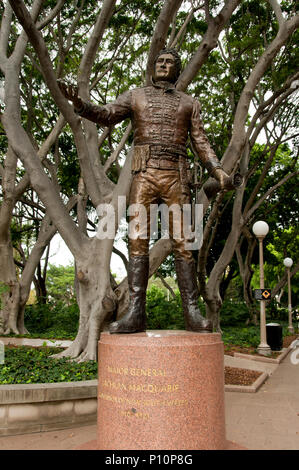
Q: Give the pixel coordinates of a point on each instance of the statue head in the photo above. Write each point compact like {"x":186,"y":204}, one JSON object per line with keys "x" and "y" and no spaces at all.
{"x":167,"y":66}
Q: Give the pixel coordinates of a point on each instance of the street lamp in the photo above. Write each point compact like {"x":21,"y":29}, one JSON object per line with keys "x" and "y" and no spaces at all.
{"x":260,"y":230}
{"x":288,"y":262}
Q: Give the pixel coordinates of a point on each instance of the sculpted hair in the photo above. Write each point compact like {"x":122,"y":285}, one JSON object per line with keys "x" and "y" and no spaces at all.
{"x":177,"y":59}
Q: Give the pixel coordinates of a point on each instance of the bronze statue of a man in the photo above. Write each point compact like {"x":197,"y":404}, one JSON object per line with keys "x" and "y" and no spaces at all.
{"x":163,"y":118}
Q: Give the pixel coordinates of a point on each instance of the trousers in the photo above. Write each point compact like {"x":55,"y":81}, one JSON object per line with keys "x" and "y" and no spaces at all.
{"x":154,"y":187}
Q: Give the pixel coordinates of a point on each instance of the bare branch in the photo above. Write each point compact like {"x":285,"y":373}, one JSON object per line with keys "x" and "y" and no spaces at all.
{"x":113,"y":157}
{"x":4,"y":33}
{"x":115,"y":56}
{"x":285,"y":91}
{"x":160,"y":34}
{"x":268,"y":193}
{"x":92,"y":46}
{"x":165,"y":284}
{"x":183,"y":29}
{"x":19,"y":50}
{"x":122,"y":256}
{"x":209,"y":42}
{"x":36,"y":39}
{"x":45,"y":21}
{"x":207,"y":11}
{"x":278,"y":13}
{"x":238,"y":139}
{"x":172,"y":34}
{"x":46,"y":233}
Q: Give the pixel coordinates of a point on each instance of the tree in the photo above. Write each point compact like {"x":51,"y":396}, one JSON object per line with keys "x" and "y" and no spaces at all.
{"x":61,"y":283}
{"x":121,"y":39}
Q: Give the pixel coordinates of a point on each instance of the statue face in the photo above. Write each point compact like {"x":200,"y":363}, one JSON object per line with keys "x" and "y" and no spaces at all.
{"x":165,"y":68}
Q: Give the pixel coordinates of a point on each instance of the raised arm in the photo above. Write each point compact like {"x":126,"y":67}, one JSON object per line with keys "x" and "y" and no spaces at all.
{"x":106,"y":115}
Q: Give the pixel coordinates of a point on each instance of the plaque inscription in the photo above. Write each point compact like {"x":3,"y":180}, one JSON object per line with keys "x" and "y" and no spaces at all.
{"x":134,"y":389}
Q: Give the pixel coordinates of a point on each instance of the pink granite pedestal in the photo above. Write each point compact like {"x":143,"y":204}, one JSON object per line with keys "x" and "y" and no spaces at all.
{"x":161,"y":390}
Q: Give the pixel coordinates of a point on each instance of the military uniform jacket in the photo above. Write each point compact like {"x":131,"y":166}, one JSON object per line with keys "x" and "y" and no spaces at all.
{"x":160,"y":115}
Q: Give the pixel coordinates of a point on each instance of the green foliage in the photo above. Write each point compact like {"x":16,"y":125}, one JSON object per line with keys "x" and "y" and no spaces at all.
{"x":59,"y":318}
{"x":60,"y":283}
{"x":163,"y":314}
{"x":233,"y":313}
{"x":276,"y":312}
{"x":52,"y":320}
{"x":24,"y":365}
{"x":246,"y":337}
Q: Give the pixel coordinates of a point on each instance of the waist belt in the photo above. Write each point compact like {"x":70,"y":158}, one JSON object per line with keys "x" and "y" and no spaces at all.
{"x":168,"y":149}
{"x":163,"y":163}
{"x":157,"y":156}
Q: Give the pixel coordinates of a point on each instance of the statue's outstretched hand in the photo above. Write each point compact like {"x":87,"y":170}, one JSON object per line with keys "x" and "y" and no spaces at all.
{"x":71,"y":93}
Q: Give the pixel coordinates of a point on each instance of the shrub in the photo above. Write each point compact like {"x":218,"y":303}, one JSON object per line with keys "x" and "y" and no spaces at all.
{"x":52,"y":320}
{"x":24,"y":365}
{"x":246,"y":336}
{"x":233,"y":313}
{"x":163,"y":314}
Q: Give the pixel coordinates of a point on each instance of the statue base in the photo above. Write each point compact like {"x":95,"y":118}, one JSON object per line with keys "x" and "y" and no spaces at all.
{"x":161,"y":390}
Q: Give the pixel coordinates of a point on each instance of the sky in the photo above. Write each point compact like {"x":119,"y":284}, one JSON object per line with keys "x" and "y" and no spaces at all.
{"x":61,"y":255}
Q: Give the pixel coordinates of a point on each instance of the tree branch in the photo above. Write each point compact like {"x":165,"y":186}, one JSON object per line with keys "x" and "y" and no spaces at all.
{"x":268,"y":193}
{"x":160,"y":33}
{"x":92,"y":46}
{"x":4,"y":33}
{"x":238,"y":139}
{"x":165,"y":284}
{"x":67,"y":110}
{"x":118,"y":149}
{"x":209,"y":42}
{"x":45,"y":21}
{"x":122,"y":256}
{"x":278,"y":13}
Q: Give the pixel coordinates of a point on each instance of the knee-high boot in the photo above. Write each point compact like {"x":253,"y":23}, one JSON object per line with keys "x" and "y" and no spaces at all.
{"x":134,"y":320}
{"x":186,"y":276}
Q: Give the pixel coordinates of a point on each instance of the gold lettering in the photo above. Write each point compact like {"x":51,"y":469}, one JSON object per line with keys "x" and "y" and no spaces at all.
{"x":152,"y":388}
{"x":114,"y":385}
{"x":136,"y":372}
{"x":134,"y":414}
{"x":138,"y":403}
{"x":118,"y":370}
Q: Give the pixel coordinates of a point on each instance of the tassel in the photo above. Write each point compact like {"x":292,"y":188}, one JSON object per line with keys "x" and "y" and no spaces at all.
{"x":140,"y":157}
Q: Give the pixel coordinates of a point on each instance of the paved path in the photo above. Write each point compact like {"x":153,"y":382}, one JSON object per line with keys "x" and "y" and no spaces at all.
{"x":36,"y":342}
{"x":269,"y":418}
{"x":265,"y":420}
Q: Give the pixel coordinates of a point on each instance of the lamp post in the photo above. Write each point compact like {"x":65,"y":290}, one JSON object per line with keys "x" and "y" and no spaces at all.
{"x":288,"y":262}
{"x":260,"y":230}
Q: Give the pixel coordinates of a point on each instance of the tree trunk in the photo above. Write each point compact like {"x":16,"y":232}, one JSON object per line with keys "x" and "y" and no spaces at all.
{"x":9,"y":283}
{"x":96,"y":298}
{"x":9,"y":290}
{"x":213,"y":306}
